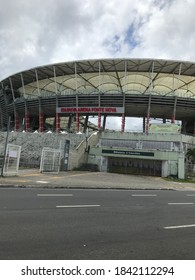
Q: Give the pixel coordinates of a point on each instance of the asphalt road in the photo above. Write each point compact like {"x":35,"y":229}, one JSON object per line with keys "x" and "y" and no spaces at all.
{"x":96,"y":224}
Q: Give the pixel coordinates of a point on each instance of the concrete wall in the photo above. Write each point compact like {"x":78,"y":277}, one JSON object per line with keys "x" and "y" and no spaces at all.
{"x":79,"y":155}
{"x":150,"y":137}
{"x":33,"y":143}
{"x":173,"y":160}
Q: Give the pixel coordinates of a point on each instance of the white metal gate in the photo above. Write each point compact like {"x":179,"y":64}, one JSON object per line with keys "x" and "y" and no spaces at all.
{"x":12,"y":159}
{"x":50,"y":160}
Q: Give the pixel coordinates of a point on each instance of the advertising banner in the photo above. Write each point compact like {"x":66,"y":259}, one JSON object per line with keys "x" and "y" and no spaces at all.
{"x":165,"y":128}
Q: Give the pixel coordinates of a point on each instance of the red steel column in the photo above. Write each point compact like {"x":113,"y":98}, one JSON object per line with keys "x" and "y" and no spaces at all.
{"x":99,"y":121}
{"x":148,"y":115}
{"x":41,"y":128}
{"x":27,"y":121}
{"x":57,"y":122}
{"x":16,"y":122}
{"x":123,"y":123}
{"x":77,"y":122}
{"x":173,"y":119}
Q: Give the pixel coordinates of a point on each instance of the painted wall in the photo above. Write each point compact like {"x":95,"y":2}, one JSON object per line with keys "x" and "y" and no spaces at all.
{"x":173,"y":160}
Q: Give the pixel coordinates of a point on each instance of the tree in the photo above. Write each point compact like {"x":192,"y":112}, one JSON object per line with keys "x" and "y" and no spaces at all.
{"x":191,"y":155}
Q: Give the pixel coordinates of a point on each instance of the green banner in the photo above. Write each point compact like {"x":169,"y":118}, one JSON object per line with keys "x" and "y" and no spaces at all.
{"x":127,"y":153}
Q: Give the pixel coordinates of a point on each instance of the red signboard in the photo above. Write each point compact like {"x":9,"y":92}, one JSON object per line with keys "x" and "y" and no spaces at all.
{"x":110,"y":110}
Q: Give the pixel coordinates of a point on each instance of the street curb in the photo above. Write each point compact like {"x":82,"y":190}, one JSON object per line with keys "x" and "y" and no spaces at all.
{"x":82,"y":187}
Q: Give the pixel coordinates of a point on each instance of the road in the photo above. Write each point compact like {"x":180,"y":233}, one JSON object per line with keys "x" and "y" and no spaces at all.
{"x":96,"y":224}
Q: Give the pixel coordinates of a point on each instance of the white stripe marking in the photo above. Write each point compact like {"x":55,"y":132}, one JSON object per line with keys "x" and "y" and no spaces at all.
{"x":190,"y":194}
{"x":182,"y":226}
{"x":51,"y":194}
{"x":181,"y":203}
{"x":143,"y":195}
{"x":42,"y":182}
{"x":76,"y":206}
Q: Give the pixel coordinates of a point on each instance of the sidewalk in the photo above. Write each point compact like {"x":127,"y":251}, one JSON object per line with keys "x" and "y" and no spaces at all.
{"x":79,"y":179}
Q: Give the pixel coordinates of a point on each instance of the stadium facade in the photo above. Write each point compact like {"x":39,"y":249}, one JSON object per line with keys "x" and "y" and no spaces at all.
{"x":62,"y":97}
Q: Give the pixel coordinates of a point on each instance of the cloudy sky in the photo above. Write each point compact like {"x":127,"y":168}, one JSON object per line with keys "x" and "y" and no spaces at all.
{"x":39,"y":32}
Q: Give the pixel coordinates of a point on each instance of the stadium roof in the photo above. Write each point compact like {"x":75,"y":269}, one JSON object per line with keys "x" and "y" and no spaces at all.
{"x":132,"y":76}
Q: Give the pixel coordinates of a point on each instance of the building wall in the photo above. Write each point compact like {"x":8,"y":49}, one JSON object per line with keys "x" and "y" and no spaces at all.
{"x":168,"y":148}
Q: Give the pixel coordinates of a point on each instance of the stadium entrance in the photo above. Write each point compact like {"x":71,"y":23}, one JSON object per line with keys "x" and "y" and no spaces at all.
{"x":135,"y":166}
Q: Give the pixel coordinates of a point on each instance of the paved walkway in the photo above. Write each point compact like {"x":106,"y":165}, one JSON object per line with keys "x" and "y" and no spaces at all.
{"x":78,"y":179}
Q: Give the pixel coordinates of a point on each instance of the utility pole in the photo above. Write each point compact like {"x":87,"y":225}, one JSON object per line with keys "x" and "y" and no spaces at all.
{"x":5,"y":148}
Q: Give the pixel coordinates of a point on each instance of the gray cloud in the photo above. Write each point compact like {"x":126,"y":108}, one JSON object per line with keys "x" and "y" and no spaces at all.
{"x":40,"y":32}
{"x":43,"y":31}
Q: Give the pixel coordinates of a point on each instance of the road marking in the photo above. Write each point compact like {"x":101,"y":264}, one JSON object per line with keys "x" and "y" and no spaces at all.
{"x":190,"y":194}
{"x":144,"y":195}
{"x":182,"y":226}
{"x":51,"y":194}
{"x":76,"y":206}
{"x":180,"y":203}
{"x":42,"y":182}
{"x":23,"y":181}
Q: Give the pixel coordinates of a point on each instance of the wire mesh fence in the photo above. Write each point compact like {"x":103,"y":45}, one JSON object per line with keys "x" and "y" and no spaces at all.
{"x":50,"y":160}
{"x":12,"y":159}
{"x":190,"y":170}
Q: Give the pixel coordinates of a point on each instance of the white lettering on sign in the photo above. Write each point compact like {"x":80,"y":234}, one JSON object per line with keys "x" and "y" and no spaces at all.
{"x":112,"y":110}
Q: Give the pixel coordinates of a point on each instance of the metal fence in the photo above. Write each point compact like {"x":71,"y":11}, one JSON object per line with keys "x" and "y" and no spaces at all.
{"x":50,"y":160}
{"x":12,"y":159}
{"x":190,"y":170}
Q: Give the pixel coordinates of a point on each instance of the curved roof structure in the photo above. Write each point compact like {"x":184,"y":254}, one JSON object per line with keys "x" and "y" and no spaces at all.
{"x":130,"y":76}
{"x":151,"y":88}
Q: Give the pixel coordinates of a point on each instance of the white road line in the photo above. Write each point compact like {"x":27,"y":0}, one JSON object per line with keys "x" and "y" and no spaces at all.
{"x":42,"y":182}
{"x":52,"y":194}
{"x":190,"y":194}
{"x":182,"y":226}
{"x":144,"y":195}
{"x":180,"y":203}
{"x":76,"y":206}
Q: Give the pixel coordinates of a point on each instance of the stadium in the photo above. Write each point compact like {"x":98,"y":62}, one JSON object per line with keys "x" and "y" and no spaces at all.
{"x":63,"y":98}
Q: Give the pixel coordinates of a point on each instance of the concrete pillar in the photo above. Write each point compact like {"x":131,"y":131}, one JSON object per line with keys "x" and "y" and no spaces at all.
{"x":104,"y":164}
{"x":181,"y":166}
{"x":165,"y":172}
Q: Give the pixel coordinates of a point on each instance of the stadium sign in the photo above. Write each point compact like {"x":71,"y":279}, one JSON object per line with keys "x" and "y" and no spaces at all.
{"x":127,"y":153}
{"x":110,"y":110}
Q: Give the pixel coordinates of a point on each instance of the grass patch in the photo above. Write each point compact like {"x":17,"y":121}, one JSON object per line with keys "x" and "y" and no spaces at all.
{"x":187,"y":180}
